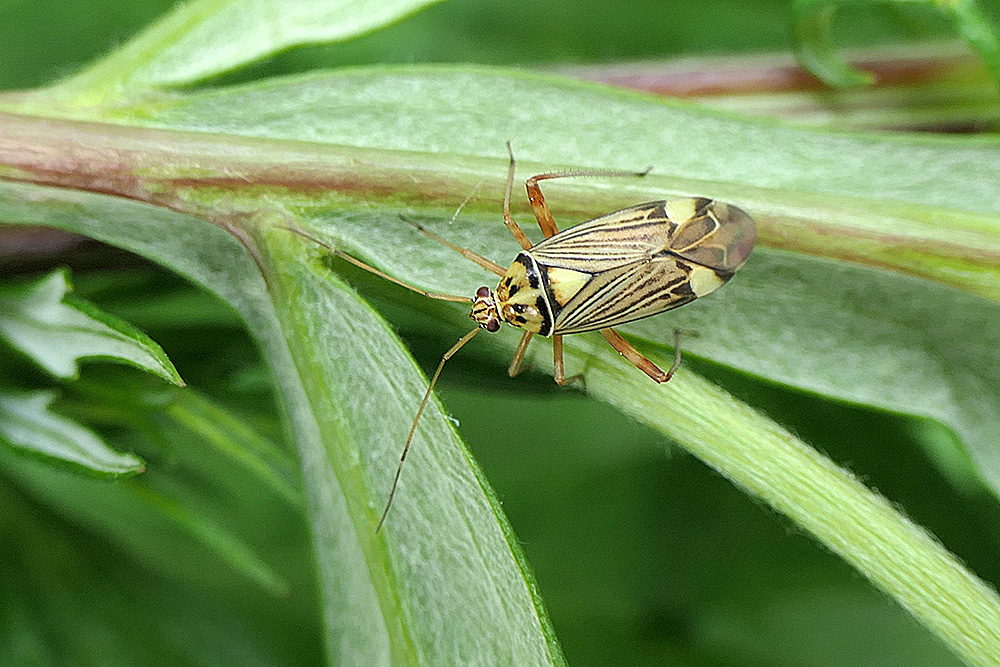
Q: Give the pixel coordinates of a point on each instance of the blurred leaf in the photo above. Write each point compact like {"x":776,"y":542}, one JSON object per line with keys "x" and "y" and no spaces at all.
{"x":813,"y":27}
{"x":72,"y":597}
{"x":201,"y":39}
{"x":27,"y":425}
{"x":238,"y":441}
{"x":116,"y":401}
{"x":937,"y":87}
{"x":175,"y":521}
{"x":56,"y":330}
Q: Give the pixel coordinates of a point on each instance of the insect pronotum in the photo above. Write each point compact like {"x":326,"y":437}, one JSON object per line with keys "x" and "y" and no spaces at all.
{"x":616,"y":268}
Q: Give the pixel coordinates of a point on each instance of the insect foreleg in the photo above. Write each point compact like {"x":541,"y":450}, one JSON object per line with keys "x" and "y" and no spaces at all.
{"x":522,"y":347}
{"x":558,"y":367}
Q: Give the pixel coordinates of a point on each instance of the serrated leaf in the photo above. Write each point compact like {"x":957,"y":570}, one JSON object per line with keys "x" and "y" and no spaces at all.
{"x":342,"y":155}
{"x":27,"y":424}
{"x":56,"y":331}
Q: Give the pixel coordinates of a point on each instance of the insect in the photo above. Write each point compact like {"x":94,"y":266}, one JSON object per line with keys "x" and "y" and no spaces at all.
{"x":613,"y":269}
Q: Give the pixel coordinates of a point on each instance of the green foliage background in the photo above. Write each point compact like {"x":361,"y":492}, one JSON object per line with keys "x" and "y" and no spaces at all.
{"x":642,"y":555}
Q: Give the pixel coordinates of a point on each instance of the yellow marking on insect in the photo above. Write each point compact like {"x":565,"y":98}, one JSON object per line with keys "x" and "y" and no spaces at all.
{"x":704,"y":280}
{"x":520,"y":299}
{"x":681,"y":210}
{"x":613,"y":269}
{"x":566,"y":283}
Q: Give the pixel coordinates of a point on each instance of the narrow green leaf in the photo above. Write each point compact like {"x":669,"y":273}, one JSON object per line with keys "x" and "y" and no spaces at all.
{"x":152,"y":521}
{"x":55,"y":331}
{"x":190,"y":426}
{"x":74,"y":596}
{"x":237,"y":441}
{"x":850,"y":519}
{"x":27,"y":424}
{"x":198,"y":40}
{"x":813,"y":39}
{"x":361,"y":382}
{"x":377,"y":582}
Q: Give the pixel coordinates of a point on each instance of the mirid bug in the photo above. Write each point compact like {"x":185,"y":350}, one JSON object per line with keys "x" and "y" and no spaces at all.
{"x":613,"y":269}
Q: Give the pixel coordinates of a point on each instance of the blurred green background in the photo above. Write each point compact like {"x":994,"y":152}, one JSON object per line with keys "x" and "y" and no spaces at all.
{"x":642,"y":556}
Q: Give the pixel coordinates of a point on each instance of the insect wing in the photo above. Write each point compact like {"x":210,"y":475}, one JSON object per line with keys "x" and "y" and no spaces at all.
{"x":609,"y":242}
{"x":641,"y":261}
{"x":710,"y":233}
{"x":628,"y":293}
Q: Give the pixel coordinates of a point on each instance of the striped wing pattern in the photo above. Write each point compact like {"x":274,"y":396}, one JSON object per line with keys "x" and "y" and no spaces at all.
{"x":639,"y":261}
{"x":610,"y":241}
{"x":628,"y":293}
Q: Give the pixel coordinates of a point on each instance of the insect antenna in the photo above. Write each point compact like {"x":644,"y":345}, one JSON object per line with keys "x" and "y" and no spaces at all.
{"x":420,"y":411}
{"x":381,"y":274}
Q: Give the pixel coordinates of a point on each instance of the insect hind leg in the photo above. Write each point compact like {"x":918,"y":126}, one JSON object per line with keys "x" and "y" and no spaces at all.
{"x":642,"y":363}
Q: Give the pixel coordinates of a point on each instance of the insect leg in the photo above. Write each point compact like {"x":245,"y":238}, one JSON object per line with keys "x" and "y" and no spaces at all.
{"x":642,"y":363}
{"x":537,"y":199}
{"x":420,"y":411}
{"x":522,"y":347}
{"x":558,"y":368}
{"x":507,"y":220}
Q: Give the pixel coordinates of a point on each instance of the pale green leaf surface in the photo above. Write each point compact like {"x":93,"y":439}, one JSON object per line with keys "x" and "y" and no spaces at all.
{"x":56,"y":331}
{"x":468,"y":567}
{"x":858,"y":524}
{"x":858,"y":334}
{"x":465,"y":598}
{"x":197,"y":40}
{"x":922,"y":205}
{"x":558,"y":122}
{"x":27,"y":424}
{"x":785,"y":177}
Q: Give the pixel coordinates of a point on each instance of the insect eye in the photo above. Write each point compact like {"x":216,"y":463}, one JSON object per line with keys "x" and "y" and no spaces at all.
{"x":483,"y":292}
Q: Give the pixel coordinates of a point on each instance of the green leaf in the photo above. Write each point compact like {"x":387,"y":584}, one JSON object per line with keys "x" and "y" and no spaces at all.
{"x":343,"y":155}
{"x":237,"y":441}
{"x":71,"y":596}
{"x":813,"y":32}
{"x":27,"y":424}
{"x":55,"y":331}
{"x":198,"y":40}
{"x":380,"y":582}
